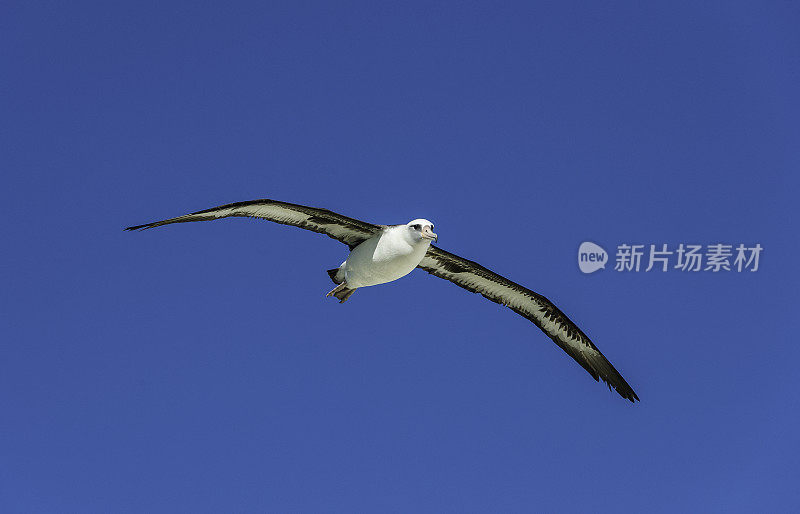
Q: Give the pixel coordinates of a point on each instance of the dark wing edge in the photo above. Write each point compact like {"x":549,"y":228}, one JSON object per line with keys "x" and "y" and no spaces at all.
{"x":347,"y":230}
{"x":473,"y":277}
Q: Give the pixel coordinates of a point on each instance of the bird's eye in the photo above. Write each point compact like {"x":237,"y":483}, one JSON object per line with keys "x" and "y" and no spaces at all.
{"x":415,"y":227}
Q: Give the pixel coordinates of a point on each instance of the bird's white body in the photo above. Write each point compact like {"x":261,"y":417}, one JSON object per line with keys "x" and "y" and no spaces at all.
{"x":392,"y":254}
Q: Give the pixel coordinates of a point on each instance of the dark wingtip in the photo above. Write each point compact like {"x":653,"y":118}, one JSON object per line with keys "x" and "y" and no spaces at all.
{"x":137,"y":227}
{"x":629,"y":395}
{"x":621,"y":388}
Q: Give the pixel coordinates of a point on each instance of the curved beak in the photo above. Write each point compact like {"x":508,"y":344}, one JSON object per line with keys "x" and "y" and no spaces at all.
{"x":427,"y":233}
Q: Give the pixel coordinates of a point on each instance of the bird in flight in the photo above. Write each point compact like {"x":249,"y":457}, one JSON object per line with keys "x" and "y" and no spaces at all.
{"x":383,"y":253}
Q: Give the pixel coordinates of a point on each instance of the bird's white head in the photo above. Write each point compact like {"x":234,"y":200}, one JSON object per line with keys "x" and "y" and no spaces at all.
{"x":421,"y":229}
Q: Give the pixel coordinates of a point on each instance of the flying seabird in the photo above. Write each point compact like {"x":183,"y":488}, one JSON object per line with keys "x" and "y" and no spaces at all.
{"x":383,"y":253}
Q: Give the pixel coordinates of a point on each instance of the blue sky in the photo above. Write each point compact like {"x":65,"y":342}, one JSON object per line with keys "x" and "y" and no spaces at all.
{"x":200,"y":368}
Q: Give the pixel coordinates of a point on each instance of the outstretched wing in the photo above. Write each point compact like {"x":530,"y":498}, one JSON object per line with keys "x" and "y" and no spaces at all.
{"x":474,"y":277}
{"x":347,"y":230}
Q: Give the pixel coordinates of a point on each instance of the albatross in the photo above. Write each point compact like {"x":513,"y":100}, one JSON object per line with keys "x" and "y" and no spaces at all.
{"x":384,"y":253}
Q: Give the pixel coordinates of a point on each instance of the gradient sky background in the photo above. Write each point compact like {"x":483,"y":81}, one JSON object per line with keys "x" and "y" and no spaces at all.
{"x":199,"y":367}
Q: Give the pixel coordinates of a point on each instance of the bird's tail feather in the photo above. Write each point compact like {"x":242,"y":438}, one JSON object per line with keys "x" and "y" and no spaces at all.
{"x":332,"y":273}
